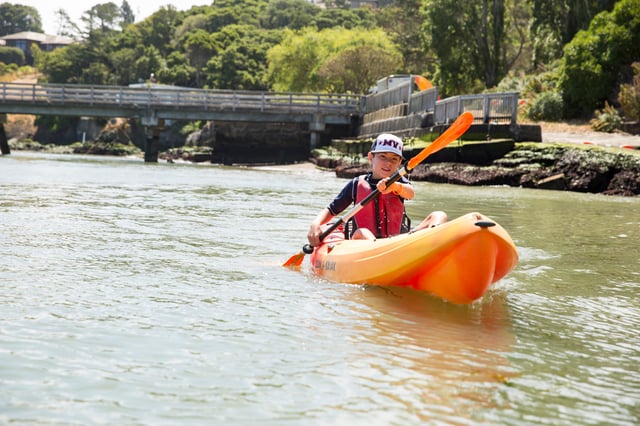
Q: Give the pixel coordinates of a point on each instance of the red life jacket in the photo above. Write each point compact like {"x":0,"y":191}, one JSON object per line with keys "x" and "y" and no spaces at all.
{"x":383,"y":215}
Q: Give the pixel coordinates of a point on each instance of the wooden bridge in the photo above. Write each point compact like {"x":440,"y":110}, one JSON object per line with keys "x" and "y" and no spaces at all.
{"x":397,"y":110}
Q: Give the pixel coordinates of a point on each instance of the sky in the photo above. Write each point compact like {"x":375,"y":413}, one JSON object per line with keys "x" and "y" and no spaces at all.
{"x":141,"y":8}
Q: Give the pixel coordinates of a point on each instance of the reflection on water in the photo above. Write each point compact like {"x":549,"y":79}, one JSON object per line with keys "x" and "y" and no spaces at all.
{"x":153,"y":294}
{"x":447,"y":360}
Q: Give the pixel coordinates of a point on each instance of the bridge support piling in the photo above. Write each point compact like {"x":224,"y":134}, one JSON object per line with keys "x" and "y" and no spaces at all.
{"x":151,"y":149}
{"x":315,"y":139}
{"x":153,"y":126}
{"x":316,"y":127}
{"x":152,"y":145}
{"x":4,"y":145}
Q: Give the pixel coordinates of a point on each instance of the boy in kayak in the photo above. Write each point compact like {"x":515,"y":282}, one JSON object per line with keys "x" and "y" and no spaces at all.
{"x":384,"y":216}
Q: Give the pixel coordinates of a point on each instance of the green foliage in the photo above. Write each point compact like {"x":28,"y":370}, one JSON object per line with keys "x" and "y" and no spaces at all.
{"x":12,"y":55}
{"x":629,"y":96}
{"x":345,"y":18}
{"x":546,"y":106}
{"x":240,"y":65}
{"x":354,"y":70}
{"x":293,"y":14}
{"x":295,"y":64}
{"x":235,"y":12}
{"x":122,"y":63}
{"x":554,"y":23}
{"x":178,"y":71}
{"x":64,"y":65}
{"x":606,"y":120}
{"x":292,"y":45}
{"x":470,"y":41}
{"x":102,"y":17}
{"x":95,"y":73}
{"x":15,"y":18}
{"x":157,"y":30}
{"x":6,"y":69}
{"x":404,"y":26}
{"x":126,"y":13}
{"x":594,"y":58}
{"x":55,"y":123}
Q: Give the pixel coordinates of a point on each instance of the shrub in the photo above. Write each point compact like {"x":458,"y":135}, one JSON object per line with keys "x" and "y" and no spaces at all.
{"x":547,"y":106}
{"x":593,"y":59}
{"x":12,"y":55}
{"x":629,"y":96}
{"x":606,"y":120}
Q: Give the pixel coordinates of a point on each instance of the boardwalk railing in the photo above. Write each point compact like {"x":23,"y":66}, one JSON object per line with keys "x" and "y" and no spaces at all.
{"x":494,"y":108}
{"x":486,"y":108}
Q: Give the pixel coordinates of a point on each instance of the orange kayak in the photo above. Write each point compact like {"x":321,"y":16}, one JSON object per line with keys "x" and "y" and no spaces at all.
{"x":456,"y":261}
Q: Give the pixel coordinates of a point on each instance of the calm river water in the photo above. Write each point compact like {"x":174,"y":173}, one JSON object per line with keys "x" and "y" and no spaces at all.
{"x":135,"y":293}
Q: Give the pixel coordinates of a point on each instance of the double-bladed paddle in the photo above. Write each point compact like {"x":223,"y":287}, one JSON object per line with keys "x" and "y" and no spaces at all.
{"x":457,"y":129}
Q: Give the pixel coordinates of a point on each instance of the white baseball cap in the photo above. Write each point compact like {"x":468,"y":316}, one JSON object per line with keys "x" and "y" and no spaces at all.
{"x":386,"y":142}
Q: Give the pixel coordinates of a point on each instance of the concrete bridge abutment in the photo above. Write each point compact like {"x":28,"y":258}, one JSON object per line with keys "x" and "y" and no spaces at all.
{"x":316,"y":128}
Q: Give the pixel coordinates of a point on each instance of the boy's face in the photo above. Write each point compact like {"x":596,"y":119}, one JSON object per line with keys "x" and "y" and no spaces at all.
{"x":384,"y":164}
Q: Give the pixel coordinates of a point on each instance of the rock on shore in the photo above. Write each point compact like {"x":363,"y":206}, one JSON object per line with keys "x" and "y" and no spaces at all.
{"x":532,"y":165}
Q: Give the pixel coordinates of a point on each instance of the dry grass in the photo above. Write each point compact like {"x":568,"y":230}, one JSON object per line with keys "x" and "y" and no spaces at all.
{"x":572,"y":126}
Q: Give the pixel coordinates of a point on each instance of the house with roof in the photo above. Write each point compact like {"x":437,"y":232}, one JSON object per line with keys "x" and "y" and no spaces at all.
{"x":26,"y":39}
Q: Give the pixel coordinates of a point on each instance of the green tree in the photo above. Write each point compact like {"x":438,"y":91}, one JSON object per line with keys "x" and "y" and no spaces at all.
{"x":241,"y":64}
{"x":449,"y":33}
{"x":293,"y":14}
{"x":403,"y":21}
{"x":346,"y":18}
{"x":15,"y":18}
{"x":235,"y":12}
{"x":66,"y":27}
{"x":102,"y":17}
{"x":178,"y":71}
{"x":149,"y":60}
{"x":158,"y":29}
{"x":595,"y":59}
{"x":199,"y":47}
{"x":554,"y":23}
{"x":354,"y":70}
{"x":95,"y":73}
{"x":294,"y":64}
{"x":63,"y":65}
{"x":190,"y":24}
{"x":122,"y":64}
{"x":470,"y":40}
{"x":126,"y":14}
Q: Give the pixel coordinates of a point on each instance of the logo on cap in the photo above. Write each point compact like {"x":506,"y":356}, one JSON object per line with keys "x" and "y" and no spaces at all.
{"x":387,"y":142}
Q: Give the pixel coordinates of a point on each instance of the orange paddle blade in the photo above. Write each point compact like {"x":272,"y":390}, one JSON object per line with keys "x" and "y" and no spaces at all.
{"x":454,"y":131}
{"x":294,"y":261}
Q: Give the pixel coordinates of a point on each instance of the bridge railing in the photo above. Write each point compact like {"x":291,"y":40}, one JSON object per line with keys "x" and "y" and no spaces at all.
{"x":386,"y":98}
{"x":178,"y":98}
{"x":487,"y":108}
{"x":423,"y":101}
{"x":495,"y":108}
